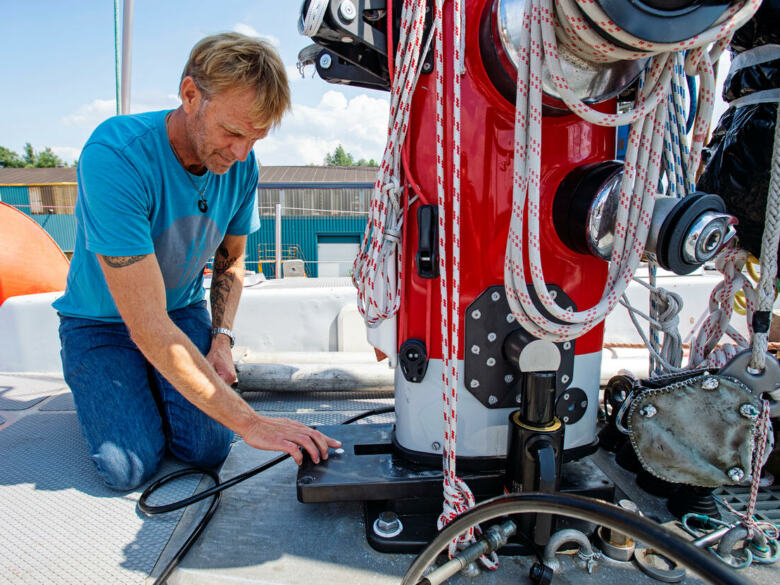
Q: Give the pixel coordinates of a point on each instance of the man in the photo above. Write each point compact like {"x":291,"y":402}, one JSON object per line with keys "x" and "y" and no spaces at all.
{"x":158,"y":195}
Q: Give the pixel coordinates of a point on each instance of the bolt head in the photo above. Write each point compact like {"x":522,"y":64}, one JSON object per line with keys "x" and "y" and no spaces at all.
{"x":427,"y":67}
{"x":347,"y":10}
{"x":476,"y":314}
{"x":509,"y":378}
{"x":492,"y":399}
{"x":736,"y":474}
{"x":491,"y":362}
{"x":710,"y":383}
{"x":495,"y":296}
{"x":387,"y":525}
{"x":325,"y":61}
{"x":648,"y":411}
{"x":510,"y":317}
{"x":474,"y":383}
{"x":475,"y":349}
{"x":491,"y":336}
{"x":436,"y":445}
{"x":749,"y":411}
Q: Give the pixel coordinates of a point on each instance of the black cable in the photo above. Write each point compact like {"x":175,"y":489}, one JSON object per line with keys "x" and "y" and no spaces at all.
{"x":215,"y":491}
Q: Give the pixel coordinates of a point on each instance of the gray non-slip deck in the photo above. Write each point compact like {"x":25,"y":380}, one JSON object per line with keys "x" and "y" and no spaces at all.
{"x":60,"y":526}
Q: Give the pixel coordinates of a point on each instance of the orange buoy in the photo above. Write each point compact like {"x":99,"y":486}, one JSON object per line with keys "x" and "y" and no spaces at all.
{"x":30,"y":260}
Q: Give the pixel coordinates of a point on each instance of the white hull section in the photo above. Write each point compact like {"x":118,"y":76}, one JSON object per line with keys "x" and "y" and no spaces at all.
{"x":482,"y":432}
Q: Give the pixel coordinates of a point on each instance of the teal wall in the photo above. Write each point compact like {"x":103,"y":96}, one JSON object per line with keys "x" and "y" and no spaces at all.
{"x":303,"y":232}
{"x":16,"y":196}
{"x":299,"y":233}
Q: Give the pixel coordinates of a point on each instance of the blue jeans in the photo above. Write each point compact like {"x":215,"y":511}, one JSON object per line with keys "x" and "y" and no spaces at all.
{"x":128,"y":412}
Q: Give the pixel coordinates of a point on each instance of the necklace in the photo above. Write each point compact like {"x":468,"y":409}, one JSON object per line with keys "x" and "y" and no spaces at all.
{"x":203,"y":206}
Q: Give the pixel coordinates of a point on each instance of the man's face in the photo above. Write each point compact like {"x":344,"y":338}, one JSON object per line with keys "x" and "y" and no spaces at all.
{"x":221,"y":130}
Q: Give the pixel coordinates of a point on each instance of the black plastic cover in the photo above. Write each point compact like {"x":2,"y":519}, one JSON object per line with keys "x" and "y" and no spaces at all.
{"x":762,"y":29}
{"x":738,"y":168}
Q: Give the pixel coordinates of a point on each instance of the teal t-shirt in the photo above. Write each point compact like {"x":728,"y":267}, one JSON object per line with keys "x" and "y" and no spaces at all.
{"x":135,"y":198}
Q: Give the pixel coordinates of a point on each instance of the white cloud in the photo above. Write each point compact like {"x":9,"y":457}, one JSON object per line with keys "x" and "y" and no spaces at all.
{"x":309,"y":133}
{"x":66,"y":153}
{"x":93,"y":113}
{"x":247,"y":30}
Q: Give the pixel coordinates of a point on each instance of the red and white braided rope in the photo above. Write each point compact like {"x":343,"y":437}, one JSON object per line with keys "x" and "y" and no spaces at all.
{"x":378,"y":267}
{"x":543,"y":28}
{"x":458,"y":498}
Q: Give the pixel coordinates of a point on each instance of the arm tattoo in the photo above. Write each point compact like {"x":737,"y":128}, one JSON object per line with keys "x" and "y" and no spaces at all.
{"x":221,"y":284}
{"x":121,"y":261}
{"x":222,"y":260}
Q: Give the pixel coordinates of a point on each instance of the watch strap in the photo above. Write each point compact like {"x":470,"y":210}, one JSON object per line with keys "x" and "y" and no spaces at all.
{"x":228,"y":332}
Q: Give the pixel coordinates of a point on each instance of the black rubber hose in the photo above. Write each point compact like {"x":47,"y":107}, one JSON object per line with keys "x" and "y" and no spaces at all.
{"x":214,"y":492}
{"x":654,"y":536}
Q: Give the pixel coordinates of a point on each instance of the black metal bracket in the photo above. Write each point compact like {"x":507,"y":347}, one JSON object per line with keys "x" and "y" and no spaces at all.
{"x":427,"y":258}
{"x":413,"y":358}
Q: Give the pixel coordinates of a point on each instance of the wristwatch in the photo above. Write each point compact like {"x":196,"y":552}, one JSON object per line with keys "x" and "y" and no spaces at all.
{"x":227,"y":332}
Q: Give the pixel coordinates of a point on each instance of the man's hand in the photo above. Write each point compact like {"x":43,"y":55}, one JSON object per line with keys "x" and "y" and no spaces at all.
{"x":221,"y":358}
{"x":283,"y":434}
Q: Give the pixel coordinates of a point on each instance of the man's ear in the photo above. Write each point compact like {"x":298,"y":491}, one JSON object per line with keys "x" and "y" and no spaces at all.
{"x":191,"y":96}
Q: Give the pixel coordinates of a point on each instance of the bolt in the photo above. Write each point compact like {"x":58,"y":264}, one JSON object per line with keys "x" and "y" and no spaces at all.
{"x":519,"y":398}
{"x":347,"y":10}
{"x":476,"y":314}
{"x":387,"y":525}
{"x":491,"y":336}
{"x":565,"y":419}
{"x":648,"y":411}
{"x":584,"y":404}
{"x":491,"y":362}
{"x":475,"y":349}
{"x":325,"y":61}
{"x":509,"y":378}
{"x":565,"y":379}
{"x":495,"y":296}
{"x":474,"y":383}
{"x":710,"y":383}
{"x":566,"y":396}
{"x":567,"y":346}
{"x":492,"y":400}
{"x":553,"y":294}
{"x":736,"y":474}
{"x":435,"y":445}
{"x":510,"y":317}
{"x":748,"y":411}
{"x":471,"y":570}
{"x":427,"y":67}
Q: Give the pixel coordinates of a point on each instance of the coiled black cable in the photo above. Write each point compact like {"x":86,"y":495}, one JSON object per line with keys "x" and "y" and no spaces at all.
{"x":214,"y":492}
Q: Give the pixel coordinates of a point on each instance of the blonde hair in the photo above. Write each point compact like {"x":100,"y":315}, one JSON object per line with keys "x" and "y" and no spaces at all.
{"x":232,"y":60}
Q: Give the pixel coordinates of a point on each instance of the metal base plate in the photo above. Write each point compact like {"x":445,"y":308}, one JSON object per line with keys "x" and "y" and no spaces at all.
{"x":367,"y":468}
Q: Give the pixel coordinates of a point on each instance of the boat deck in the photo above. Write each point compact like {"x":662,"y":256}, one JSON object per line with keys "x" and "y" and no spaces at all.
{"x":60,"y":525}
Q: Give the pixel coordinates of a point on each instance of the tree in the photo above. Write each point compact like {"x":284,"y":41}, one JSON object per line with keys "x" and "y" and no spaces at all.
{"x":29,"y":155}
{"x":48,"y":159}
{"x":339,"y":158}
{"x":45,"y":158}
{"x":9,"y":159}
{"x":342,"y":158}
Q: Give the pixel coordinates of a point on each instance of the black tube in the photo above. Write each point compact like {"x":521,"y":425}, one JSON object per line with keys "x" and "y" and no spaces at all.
{"x":538,"y":408}
{"x":654,"y":536}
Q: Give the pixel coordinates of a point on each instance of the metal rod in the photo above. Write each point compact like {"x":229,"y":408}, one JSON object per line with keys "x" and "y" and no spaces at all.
{"x":278,"y":240}
{"x":127,"y":54}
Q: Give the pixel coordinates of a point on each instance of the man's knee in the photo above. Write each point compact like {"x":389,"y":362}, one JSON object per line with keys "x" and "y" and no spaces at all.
{"x":124,"y":469}
{"x":209,"y":449}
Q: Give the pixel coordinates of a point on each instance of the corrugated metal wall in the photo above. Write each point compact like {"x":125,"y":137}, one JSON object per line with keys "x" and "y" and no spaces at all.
{"x":300,"y":235}
{"x":16,"y":196}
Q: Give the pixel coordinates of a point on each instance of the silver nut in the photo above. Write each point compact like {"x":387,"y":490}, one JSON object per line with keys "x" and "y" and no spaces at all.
{"x":492,"y":399}
{"x":347,"y":10}
{"x":565,"y":379}
{"x":736,"y":474}
{"x":476,"y":314}
{"x":325,"y":61}
{"x":749,"y":411}
{"x":509,"y":378}
{"x":567,"y":345}
{"x":566,"y":396}
{"x":387,"y":525}
{"x":495,"y":296}
{"x":710,"y":383}
{"x":474,"y":383}
{"x":510,"y":317}
{"x":491,"y":336}
{"x":648,"y":411}
{"x":475,"y":349}
{"x":491,"y":362}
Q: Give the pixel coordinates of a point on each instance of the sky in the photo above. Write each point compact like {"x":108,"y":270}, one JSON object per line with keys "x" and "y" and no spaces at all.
{"x":57,"y":76}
